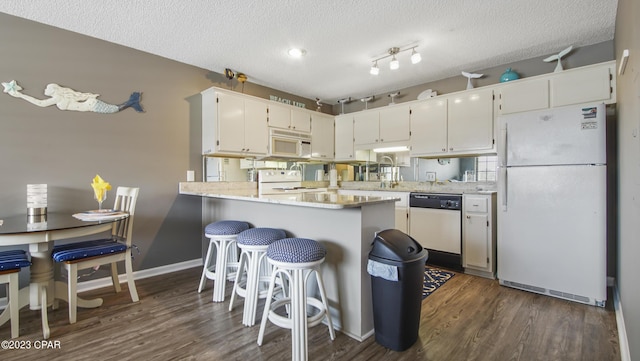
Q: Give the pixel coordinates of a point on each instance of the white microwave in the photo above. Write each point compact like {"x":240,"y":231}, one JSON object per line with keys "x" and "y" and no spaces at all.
{"x":289,"y":144}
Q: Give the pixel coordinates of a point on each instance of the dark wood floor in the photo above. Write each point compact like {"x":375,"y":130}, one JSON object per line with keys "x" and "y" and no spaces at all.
{"x":468,"y":318}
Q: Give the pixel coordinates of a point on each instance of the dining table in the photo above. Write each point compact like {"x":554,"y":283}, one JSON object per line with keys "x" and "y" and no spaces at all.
{"x":39,"y":233}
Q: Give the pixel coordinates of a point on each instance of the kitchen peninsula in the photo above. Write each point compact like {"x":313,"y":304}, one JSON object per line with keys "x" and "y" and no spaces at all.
{"x":344,"y":224}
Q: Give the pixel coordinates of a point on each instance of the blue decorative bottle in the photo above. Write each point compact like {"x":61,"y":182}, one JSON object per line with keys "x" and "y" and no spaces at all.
{"x":509,"y":75}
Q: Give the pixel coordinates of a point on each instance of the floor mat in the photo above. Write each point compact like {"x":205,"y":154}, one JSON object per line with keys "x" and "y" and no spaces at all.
{"x":434,"y":278}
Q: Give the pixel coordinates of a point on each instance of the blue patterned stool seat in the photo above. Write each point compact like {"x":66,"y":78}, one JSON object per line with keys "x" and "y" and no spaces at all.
{"x":260,"y":236}
{"x":225,"y":227}
{"x":13,"y":260}
{"x":81,"y":250}
{"x":296,"y":250}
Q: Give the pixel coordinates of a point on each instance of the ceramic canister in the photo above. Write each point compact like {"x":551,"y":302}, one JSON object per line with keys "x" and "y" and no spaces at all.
{"x":509,"y":75}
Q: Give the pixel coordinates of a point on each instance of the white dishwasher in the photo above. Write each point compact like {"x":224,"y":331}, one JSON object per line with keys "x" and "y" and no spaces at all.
{"x":435,"y":221}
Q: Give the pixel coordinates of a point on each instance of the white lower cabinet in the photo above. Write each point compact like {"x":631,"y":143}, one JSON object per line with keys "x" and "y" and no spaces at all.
{"x":402,"y":206}
{"x":479,"y":234}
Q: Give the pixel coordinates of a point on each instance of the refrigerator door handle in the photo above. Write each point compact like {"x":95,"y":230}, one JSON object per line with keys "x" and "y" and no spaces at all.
{"x":502,"y":188}
{"x":502,"y":146}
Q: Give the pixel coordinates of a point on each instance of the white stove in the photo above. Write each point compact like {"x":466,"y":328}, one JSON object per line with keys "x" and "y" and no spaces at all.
{"x":273,"y":181}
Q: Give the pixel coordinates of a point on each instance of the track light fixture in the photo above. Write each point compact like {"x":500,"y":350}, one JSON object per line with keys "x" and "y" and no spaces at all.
{"x":394,"y":63}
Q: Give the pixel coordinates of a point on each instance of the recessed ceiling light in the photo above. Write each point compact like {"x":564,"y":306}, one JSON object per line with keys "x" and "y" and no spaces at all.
{"x":296,"y":52}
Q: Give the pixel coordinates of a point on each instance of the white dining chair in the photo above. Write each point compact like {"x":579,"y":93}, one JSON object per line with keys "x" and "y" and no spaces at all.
{"x":10,"y":264}
{"x":92,"y":253}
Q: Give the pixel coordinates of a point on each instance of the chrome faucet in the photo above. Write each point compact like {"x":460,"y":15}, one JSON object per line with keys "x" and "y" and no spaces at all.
{"x":392,"y":182}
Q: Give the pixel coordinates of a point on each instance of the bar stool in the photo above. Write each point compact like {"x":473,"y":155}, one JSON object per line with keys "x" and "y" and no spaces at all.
{"x":296,"y":259}
{"x":10,"y":264}
{"x":222,"y":236}
{"x":253,"y":243}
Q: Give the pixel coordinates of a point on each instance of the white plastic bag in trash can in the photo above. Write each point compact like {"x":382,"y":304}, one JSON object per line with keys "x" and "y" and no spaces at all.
{"x":385,"y":271}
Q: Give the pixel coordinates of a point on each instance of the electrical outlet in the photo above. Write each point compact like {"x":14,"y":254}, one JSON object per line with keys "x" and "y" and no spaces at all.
{"x":431,"y":176}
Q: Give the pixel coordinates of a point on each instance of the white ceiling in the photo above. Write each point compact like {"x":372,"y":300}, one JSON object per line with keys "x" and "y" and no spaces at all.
{"x":341,"y":37}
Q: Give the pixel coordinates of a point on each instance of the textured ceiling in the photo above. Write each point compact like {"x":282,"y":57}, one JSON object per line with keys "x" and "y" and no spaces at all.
{"x":341,"y":37}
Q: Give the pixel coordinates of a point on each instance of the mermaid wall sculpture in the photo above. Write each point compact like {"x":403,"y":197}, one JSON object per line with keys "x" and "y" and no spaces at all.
{"x":69,"y":99}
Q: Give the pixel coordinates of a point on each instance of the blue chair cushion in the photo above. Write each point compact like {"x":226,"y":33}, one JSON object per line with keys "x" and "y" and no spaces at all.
{"x":296,"y":250}
{"x":15,"y":259}
{"x":80,"y":250}
{"x":226,"y":228}
{"x":260,"y":236}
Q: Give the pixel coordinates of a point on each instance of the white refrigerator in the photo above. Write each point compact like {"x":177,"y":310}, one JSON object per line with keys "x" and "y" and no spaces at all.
{"x":552,"y":204}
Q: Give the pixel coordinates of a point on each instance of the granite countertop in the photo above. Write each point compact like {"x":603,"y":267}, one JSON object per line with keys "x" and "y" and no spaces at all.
{"x":247,"y":191}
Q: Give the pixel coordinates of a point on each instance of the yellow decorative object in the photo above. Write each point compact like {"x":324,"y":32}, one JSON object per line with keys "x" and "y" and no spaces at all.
{"x":100,"y":188}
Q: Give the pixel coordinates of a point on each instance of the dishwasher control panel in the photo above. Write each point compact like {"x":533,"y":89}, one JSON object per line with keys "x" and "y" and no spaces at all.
{"x":436,"y":201}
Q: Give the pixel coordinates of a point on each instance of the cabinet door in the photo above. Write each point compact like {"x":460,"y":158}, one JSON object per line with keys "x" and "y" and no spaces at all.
{"x":366,"y":128}
{"x":470,"y":126}
{"x":322,"y":137}
{"x":402,"y":219}
{"x":476,"y":240}
{"x":256,"y":132}
{"x":300,"y":120}
{"x":429,"y":127}
{"x":394,"y":124}
{"x":279,"y":116}
{"x":231,"y":114}
{"x":581,"y":86}
{"x":344,"y":137}
{"x":525,"y":95}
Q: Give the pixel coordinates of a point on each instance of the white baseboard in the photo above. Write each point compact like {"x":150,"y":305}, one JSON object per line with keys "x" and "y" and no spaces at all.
{"x":137,"y":275}
{"x":625,"y":355}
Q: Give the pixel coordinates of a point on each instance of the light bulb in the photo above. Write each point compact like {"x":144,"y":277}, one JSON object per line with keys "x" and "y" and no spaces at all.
{"x":394,"y":64}
{"x":296,"y":53}
{"x":374,"y":69}
{"x":415,"y":57}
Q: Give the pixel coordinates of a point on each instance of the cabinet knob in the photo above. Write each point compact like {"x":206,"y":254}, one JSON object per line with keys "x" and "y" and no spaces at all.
{"x":444,"y":149}
{"x":450,"y":148}
{"x":382,"y":140}
{"x":468,"y":217}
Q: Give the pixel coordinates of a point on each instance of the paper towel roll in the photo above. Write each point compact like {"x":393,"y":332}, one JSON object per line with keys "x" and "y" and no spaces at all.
{"x":333,"y":178}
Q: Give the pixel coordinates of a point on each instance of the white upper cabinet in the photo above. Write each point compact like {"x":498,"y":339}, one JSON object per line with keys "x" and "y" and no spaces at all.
{"x":301,"y":120}
{"x":587,"y":84}
{"x":470,"y":121}
{"x":395,"y":124}
{"x":366,"y":128}
{"x":288,"y":117}
{"x":233,"y":124}
{"x":344,"y":138}
{"x":322,"y":136}
{"x":457,"y":124}
{"x":584,"y":85}
{"x":429,"y":127}
{"x":382,"y":127}
{"x":524,"y":96}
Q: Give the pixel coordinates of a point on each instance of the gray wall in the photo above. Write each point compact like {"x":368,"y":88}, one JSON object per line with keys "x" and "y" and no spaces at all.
{"x":628,"y":109}
{"x":66,"y":149}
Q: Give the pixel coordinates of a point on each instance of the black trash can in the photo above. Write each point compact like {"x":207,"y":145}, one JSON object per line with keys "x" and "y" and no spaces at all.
{"x":396,"y":265}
